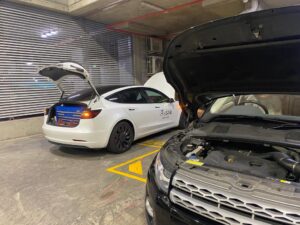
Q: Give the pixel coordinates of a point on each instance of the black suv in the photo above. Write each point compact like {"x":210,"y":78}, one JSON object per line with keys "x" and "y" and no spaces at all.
{"x":240,"y":163}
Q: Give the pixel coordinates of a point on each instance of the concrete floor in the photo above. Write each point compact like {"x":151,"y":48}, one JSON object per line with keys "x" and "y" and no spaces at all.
{"x":41,"y":183}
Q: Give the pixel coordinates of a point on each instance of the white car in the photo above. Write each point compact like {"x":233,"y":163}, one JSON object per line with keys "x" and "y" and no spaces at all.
{"x":106,"y":116}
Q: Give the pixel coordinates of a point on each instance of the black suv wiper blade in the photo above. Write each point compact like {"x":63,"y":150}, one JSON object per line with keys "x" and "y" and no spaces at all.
{"x":287,"y":126}
{"x":254,"y":118}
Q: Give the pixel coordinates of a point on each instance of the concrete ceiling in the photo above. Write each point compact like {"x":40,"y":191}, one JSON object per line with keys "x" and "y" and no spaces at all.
{"x":152,"y":17}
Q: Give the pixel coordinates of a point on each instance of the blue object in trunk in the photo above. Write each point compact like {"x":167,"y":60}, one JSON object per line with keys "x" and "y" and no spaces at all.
{"x":68,"y":116}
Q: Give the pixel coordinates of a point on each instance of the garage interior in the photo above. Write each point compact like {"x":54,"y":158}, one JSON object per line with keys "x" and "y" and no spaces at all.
{"x":120,"y":42}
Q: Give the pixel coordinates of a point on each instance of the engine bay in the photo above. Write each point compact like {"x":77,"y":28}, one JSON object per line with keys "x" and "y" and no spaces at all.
{"x":258,"y":160}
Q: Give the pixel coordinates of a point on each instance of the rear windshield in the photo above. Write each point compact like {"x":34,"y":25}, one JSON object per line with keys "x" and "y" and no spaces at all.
{"x":88,"y":94}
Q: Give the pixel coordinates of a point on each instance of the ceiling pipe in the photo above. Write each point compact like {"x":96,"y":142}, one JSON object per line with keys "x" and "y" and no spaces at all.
{"x":152,"y":6}
{"x":255,"y":5}
{"x":107,"y":7}
{"x":113,"y":5}
{"x":115,"y":26}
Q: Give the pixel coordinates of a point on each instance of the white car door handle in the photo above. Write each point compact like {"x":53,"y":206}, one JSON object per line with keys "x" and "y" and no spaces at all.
{"x":157,"y":107}
{"x":131,"y":109}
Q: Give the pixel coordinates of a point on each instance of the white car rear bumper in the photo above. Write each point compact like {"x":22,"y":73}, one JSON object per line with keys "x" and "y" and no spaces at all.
{"x":80,"y":136}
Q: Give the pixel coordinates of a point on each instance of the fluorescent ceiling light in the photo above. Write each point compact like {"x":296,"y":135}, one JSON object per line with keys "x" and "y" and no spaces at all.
{"x":114,"y":4}
{"x":152,"y":6}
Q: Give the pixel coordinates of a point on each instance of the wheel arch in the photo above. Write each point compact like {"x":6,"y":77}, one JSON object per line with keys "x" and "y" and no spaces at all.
{"x":130,"y":123}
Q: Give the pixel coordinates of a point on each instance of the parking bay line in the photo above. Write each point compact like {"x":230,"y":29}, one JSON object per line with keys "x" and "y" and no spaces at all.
{"x":152,"y":146}
{"x":113,"y":169}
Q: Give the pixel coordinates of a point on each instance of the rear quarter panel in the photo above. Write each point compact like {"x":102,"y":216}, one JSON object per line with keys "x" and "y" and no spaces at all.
{"x":115,"y":113}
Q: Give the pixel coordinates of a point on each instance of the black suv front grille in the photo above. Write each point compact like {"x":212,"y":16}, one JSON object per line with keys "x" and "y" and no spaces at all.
{"x":226,"y":207}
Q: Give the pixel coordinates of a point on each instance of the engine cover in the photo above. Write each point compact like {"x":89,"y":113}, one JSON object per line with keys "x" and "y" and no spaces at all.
{"x":242,"y":163}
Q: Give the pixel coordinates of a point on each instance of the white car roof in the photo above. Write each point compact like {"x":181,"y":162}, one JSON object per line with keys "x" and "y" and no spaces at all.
{"x":128,"y":87}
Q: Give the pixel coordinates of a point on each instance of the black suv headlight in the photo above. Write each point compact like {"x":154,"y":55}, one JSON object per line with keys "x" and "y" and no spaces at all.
{"x":162,"y":176}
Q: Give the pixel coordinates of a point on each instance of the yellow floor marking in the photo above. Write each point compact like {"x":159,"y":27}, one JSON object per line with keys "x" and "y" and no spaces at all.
{"x":136,"y":167}
{"x":155,"y":143}
{"x":114,"y":168}
{"x":135,"y":164}
{"x":144,"y":180}
{"x":153,"y":146}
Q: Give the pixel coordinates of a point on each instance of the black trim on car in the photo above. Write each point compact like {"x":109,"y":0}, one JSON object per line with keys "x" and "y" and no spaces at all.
{"x":167,"y":213}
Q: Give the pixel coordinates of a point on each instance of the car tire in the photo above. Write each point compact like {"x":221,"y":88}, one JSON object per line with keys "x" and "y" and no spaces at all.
{"x":183,"y":121}
{"x":121,"y":138}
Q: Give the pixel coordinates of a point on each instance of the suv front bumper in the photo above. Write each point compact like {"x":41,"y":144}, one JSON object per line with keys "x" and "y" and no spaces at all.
{"x":165,"y":213}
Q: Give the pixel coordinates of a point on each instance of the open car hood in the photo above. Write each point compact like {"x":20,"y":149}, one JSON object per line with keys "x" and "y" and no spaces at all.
{"x":158,"y":81}
{"x":247,"y":54}
{"x":58,"y":72}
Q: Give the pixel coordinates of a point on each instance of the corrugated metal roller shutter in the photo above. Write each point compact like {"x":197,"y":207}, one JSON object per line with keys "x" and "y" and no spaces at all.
{"x":105,"y":54}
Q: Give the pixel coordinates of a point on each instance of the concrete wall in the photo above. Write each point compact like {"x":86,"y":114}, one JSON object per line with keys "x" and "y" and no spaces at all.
{"x":20,"y":128}
{"x":139,"y":59}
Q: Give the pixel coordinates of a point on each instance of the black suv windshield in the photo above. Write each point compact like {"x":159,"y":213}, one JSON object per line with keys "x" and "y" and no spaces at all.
{"x":268,"y":106}
{"x":88,"y":94}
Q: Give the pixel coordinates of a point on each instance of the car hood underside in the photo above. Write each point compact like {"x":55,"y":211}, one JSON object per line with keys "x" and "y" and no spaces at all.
{"x":246,"y":54}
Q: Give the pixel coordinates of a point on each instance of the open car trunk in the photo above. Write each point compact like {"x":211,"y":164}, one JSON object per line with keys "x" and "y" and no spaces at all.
{"x":66,"y":113}
{"x":60,"y":71}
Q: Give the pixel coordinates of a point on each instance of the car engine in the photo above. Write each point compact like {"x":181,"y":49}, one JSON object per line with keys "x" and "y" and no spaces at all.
{"x":252,"y":159}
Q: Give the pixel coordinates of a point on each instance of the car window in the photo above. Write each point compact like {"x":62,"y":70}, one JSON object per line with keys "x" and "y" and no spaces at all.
{"x":114,"y":98}
{"x":156,"y":96}
{"x":88,"y":94}
{"x":129,"y":96}
{"x":82,"y":95}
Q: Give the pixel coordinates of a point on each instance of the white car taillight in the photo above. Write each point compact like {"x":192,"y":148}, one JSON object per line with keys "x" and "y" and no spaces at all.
{"x":89,"y":114}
